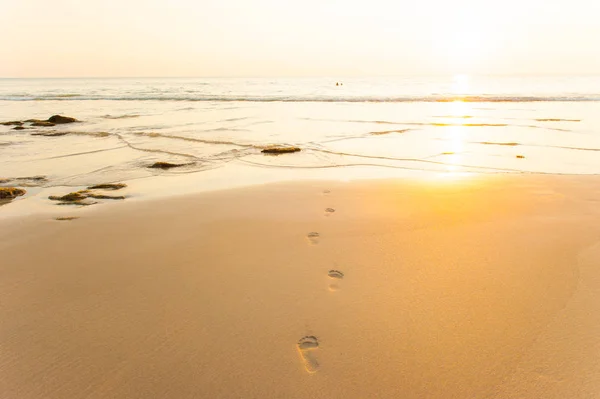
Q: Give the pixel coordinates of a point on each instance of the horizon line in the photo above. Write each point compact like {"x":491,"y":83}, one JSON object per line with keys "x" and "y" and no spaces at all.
{"x":440,"y":75}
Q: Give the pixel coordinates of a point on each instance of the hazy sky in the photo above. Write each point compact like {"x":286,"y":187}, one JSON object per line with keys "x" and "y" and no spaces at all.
{"x":61,"y":38}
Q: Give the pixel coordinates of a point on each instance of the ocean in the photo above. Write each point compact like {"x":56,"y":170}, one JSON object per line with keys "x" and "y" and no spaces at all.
{"x":347,"y":128}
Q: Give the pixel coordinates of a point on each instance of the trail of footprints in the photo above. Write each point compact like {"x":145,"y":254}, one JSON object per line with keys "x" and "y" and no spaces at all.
{"x":307,"y":346}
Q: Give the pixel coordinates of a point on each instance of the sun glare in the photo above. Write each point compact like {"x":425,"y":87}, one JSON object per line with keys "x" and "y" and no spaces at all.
{"x":456,"y":135}
{"x":460,"y":84}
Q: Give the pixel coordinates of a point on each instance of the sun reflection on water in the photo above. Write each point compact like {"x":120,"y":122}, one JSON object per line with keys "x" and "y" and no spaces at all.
{"x":456,"y":136}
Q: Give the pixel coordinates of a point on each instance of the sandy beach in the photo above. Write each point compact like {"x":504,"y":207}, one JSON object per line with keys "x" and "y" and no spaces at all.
{"x":476,"y":287}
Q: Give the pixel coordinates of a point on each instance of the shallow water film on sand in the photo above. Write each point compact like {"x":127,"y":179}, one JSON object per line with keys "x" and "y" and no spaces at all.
{"x":165,"y":136}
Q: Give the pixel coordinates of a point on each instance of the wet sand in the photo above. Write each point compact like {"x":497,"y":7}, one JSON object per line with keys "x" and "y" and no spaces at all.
{"x":485,"y":287}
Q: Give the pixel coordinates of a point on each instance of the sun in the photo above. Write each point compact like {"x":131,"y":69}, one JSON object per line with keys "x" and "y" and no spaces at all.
{"x":460,"y":84}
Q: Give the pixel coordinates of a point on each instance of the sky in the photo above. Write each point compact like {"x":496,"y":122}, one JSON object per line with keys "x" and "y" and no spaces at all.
{"x":98,"y":38}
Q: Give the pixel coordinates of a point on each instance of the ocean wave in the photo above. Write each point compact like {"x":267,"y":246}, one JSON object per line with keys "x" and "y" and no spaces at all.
{"x":309,"y":98}
{"x":196,"y":140}
{"x":126,"y":116}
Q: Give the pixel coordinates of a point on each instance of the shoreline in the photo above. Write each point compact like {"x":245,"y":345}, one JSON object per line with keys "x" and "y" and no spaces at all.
{"x":167,"y":186}
{"x":482,"y":287}
{"x":170,"y":186}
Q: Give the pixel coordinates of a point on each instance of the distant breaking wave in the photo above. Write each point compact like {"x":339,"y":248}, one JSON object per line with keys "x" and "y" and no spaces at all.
{"x":315,"y":98}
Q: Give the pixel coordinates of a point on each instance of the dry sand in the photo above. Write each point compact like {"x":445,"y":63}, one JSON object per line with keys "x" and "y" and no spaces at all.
{"x":479,"y":288}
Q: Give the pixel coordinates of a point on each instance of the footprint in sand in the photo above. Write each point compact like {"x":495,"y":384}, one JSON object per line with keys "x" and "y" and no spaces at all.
{"x":313,"y":238}
{"x":336,"y":275}
{"x":329,"y":211}
{"x":306,"y":347}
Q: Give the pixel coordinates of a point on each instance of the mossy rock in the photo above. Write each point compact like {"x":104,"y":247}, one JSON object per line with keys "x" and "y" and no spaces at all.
{"x":79,"y":197}
{"x":66,"y":218}
{"x":43,"y":124}
{"x":166,"y":165}
{"x":520,"y":156}
{"x":12,"y":123}
{"x":31,"y":181}
{"x":108,"y":186}
{"x":59,"y":119}
{"x":19,"y":128}
{"x":102,"y":196}
{"x":71,"y":197}
{"x":35,"y":120}
{"x":11,"y":192}
{"x":280,"y":150}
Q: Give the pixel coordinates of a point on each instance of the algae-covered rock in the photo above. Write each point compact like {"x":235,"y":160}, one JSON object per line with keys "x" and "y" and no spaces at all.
{"x":31,"y":181}
{"x":71,"y":197}
{"x":108,"y":186}
{"x":11,"y":192}
{"x":103,"y":196}
{"x":280,"y":150}
{"x":165,"y":165}
{"x":66,"y":218}
{"x":12,"y":123}
{"x":520,"y":156}
{"x":80,"y":197}
{"x":24,"y":181}
{"x":43,"y":124}
{"x":19,"y":128}
{"x":59,"y":119}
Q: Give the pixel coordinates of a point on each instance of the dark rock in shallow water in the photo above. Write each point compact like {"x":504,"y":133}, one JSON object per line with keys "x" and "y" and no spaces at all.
{"x":34,"y":121}
{"x":50,"y":134}
{"x":165,"y":165}
{"x":280,"y":150}
{"x":34,"y":178}
{"x":520,"y":156}
{"x":11,"y":192}
{"x":12,"y":123}
{"x":59,"y":119}
{"x":32,"y":181}
{"x":108,"y":186}
{"x":19,"y":128}
{"x":43,"y":124}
